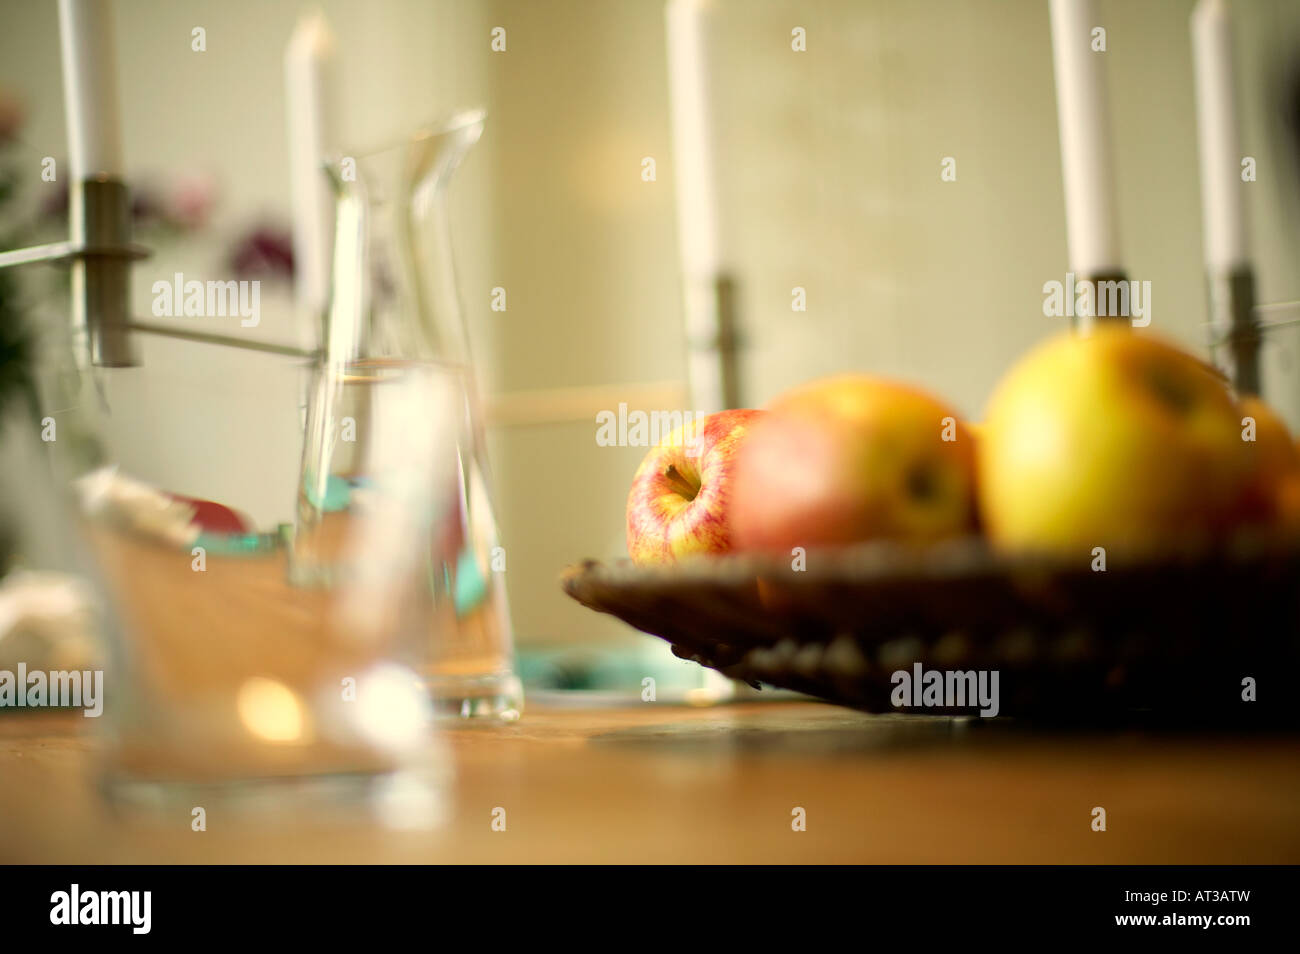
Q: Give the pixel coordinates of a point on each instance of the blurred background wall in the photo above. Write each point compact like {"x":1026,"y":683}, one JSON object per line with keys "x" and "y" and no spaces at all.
{"x":830,"y":181}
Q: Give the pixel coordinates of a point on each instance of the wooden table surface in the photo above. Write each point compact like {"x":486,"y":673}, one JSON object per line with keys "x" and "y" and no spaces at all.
{"x":656,"y":783}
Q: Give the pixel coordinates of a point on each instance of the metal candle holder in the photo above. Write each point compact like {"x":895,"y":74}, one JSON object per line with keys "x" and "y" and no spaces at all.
{"x":100,"y":253}
{"x":1235,"y":330}
{"x":1083,"y":323}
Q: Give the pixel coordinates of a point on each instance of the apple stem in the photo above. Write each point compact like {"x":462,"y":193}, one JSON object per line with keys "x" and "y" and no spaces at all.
{"x":679,"y":482}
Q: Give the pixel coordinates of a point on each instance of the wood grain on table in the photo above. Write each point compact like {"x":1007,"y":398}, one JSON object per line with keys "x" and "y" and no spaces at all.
{"x":654,"y":783}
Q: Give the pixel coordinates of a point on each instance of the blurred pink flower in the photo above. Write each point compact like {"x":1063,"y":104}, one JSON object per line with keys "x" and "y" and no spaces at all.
{"x":190,"y":200}
{"x":263,"y":251}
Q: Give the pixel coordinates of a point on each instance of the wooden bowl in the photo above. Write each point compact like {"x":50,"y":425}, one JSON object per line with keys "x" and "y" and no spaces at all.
{"x":1177,"y":637}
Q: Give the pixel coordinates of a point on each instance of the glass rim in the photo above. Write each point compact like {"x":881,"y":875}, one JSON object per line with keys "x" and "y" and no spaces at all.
{"x":441,"y":125}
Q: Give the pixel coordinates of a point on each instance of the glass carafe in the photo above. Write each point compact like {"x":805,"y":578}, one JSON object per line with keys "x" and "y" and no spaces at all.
{"x":394,"y":325}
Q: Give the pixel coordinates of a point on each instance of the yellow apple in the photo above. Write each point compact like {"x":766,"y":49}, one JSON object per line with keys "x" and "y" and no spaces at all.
{"x":853,"y":458}
{"x":1116,"y":440}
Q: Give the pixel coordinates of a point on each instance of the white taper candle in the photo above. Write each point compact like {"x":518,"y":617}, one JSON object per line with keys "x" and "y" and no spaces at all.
{"x":1222,"y":202}
{"x":1083,"y":114}
{"x":87,"y":43}
{"x":309,"y":101}
{"x":697,"y":207}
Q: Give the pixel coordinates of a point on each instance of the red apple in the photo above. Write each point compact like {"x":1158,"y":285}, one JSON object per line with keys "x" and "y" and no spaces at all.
{"x":680,"y":495}
{"x":1271,"y":456}
{"x":853,"y":458}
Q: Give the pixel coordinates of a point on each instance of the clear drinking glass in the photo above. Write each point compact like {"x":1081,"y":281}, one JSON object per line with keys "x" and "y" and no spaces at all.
{"x":224,"y":686}
{"x":395,"y":323}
